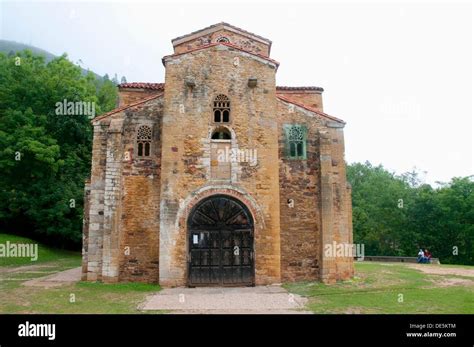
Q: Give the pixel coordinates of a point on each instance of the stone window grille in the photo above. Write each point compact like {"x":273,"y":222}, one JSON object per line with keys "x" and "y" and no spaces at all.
{"x":295,"y":141}
{"x":144,"y":141}
{"x":221,"y":109}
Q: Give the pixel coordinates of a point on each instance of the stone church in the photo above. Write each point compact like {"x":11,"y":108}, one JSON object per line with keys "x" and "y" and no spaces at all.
{"x":217,"y":177}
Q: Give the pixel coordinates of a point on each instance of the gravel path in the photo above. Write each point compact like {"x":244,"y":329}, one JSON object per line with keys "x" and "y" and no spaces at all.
{"x":57,"y":279}
{"x":242,"y":300}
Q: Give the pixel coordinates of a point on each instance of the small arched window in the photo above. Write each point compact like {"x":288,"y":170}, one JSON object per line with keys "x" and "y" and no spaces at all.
{"x":221,"y":109}
{"x":295,"y":141}
{"x":223,"y":39}
{"x":144,"y":141}
{"x":221,"y":133}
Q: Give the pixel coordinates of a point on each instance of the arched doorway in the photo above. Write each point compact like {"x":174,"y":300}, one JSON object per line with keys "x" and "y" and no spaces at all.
{"x":220,"y":230}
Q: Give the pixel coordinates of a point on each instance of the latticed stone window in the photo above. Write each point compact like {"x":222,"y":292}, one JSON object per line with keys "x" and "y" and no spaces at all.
{"x":295,"y":141}
{"x":221,"y":109}
{"x":144,"y":141}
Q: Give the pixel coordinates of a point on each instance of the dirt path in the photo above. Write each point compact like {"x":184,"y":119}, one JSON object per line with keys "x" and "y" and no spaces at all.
{"x":56,"y":279}
{"x":246,"y":300}
{"x":441,"y":270}
{"x":24,"y":268}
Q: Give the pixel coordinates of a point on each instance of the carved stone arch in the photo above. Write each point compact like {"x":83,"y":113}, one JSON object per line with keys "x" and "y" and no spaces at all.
{"x":217,"y":127}
{"x":220,"y":235}
{"x":187,"y":205}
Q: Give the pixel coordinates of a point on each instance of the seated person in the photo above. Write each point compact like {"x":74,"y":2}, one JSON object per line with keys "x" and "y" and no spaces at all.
{"x":427,"y":256}
{"x":421,"y":256}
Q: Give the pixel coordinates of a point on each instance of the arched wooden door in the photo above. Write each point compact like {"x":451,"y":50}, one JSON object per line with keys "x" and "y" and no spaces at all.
{"x":220,"y":230}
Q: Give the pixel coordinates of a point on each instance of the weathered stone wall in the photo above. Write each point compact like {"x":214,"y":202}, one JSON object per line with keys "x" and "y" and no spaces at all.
{"x":310,"y":98}
{"x":136,"y":209}
{"x":187,"y":125}
{"x":92,"y":267}
{"x":236,"y":39}
{"x":341,"y":267}
{"x":299,"y":181}
{"x":129,"y":96}
{"x":112,"y":199}
{"x":321,"y":197}
{"x":121,"y":230}
{"x":85,"y":229}
{"x":139,"y":224}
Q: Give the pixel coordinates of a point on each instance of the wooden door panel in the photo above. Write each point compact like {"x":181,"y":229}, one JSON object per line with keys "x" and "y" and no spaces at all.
{"x":220,"y":243}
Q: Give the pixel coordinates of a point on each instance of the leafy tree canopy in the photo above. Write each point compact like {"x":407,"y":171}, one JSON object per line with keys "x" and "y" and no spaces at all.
{"x":45,"y":155}
{"x":398,"y":215}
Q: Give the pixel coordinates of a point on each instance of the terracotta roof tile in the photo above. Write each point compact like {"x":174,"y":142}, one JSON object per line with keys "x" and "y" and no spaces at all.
{"x":161,"y":86}
{"x":142,"y":85}
{"x":318,"y":89}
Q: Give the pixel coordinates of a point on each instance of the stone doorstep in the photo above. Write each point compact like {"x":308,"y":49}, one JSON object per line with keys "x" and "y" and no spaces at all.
{"x":243,"y":312}
{"x":260,"y":299}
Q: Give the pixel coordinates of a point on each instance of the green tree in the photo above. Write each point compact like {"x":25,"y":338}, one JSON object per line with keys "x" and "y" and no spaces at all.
{"x":45,"y":156}
{"x":379,"y":200}
{"x":397,"y":215}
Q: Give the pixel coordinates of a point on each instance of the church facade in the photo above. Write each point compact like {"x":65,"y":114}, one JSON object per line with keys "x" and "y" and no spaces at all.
{"x":217,"y":177}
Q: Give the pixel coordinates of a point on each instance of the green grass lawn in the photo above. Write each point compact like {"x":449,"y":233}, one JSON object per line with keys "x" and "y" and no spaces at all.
{"x":45,"y":254}
{"x":89,"y":297}
{"x":390,"y":288}
{"x":376,"y":288}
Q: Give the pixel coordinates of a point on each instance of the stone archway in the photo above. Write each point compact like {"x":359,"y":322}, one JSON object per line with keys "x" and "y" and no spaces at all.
{"x":221,"y":243}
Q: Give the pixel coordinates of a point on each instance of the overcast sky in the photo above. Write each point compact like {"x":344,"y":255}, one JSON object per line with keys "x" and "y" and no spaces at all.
{"x":399,"y":74}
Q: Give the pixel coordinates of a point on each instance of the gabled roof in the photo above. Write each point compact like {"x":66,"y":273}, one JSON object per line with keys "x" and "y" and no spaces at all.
{"x":223,"y":44}
{"x":216,"y":27}
{"x":123,"y":108}
{"x":319,"y":113}
{"x":142,"y":85}
{"x":161,"y":86}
